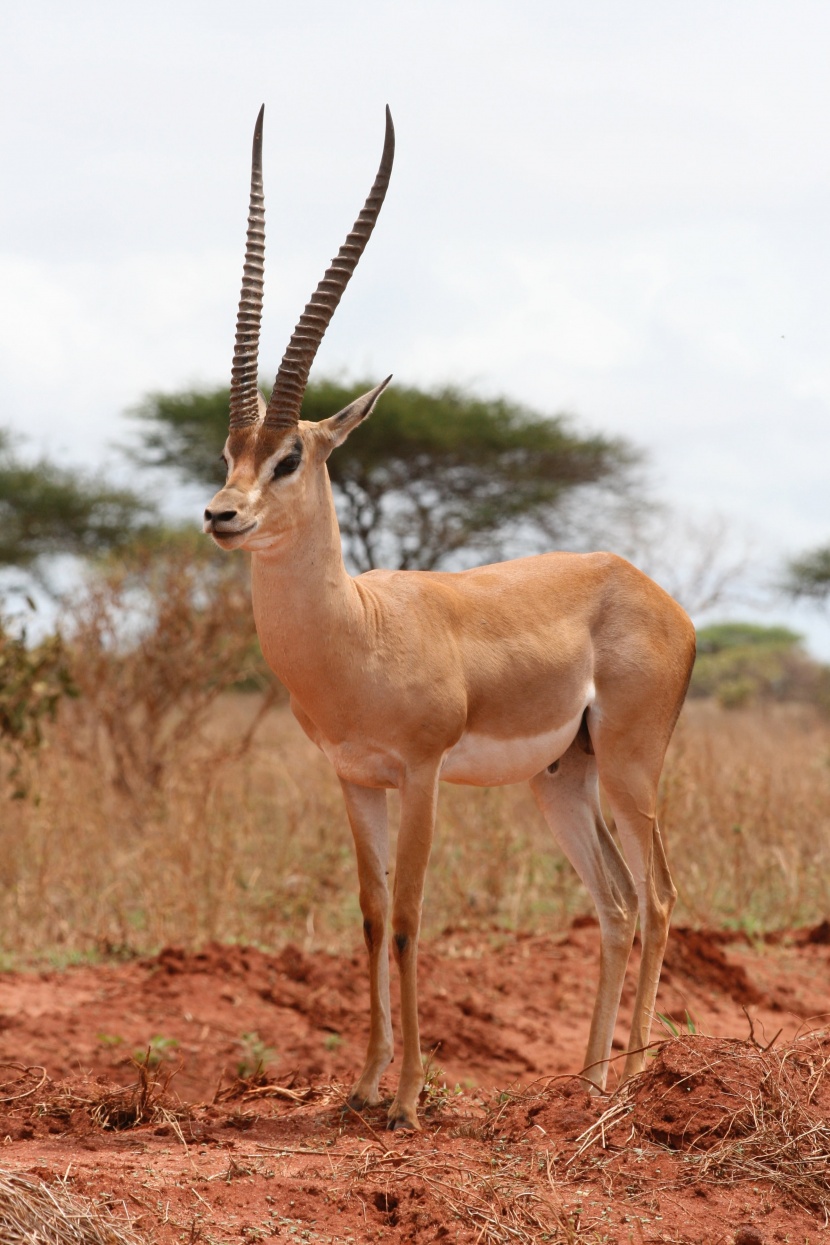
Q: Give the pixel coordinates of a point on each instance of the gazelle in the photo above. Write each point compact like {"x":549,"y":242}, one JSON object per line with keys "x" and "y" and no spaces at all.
{"x":557,"y":669}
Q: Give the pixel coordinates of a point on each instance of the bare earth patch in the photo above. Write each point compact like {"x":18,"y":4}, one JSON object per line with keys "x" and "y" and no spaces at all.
{"x":235,"y":1126}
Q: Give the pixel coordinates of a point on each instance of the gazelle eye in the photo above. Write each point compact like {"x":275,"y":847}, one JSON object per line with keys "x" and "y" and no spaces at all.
{"x":288,"y":465}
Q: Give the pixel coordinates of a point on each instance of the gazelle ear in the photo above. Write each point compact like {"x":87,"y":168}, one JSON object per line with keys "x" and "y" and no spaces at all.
{"x":340,"y":425}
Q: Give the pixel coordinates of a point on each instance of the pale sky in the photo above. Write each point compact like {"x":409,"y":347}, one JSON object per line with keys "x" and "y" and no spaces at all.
{"x":622,"y":211}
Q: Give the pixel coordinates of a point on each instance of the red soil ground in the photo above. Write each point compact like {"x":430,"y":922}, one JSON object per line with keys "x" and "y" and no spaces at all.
{"x":216,"y":1158}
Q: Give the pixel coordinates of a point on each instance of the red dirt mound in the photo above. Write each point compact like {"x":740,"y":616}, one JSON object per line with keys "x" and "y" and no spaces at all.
{"x":694,"y":955}
{"x":237,"y":1128}
{"x":703,"y":1089}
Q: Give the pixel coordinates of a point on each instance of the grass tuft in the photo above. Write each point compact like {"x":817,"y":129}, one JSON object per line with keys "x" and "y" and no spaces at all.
{"x":31,"y":1211}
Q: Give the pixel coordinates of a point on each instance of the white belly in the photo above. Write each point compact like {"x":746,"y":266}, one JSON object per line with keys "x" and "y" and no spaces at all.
{"x":481,"y":761}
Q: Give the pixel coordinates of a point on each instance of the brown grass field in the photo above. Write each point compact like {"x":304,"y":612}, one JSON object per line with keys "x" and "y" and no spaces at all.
{"x":130,"y":840}
{"x":178,"y":900}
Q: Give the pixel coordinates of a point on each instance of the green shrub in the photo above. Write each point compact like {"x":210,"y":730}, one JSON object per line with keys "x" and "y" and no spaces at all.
{"x":32,"y":683}
{"x":741,"y":662}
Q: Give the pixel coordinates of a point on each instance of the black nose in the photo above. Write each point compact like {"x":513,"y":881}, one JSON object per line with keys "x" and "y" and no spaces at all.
{"x":224,"y":517}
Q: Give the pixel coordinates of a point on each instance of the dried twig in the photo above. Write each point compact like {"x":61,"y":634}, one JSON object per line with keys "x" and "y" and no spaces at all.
{"x":25,"y":1069}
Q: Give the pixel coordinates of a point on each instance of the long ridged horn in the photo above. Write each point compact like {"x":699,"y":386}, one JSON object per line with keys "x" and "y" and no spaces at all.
{"x":287,"y":395}
{"x":244,"y":397}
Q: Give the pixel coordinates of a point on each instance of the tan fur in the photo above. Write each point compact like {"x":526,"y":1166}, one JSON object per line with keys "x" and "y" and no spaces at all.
{"x":485,"y":676}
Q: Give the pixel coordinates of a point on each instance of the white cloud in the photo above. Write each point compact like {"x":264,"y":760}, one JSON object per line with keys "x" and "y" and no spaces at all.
{"x":616,"y":209}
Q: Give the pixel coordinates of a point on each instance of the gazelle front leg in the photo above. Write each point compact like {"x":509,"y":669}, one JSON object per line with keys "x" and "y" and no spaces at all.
{"x":368,"y":819}
{"x":419,"y":796}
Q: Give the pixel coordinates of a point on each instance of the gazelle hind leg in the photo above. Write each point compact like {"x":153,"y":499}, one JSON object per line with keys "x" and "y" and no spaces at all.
{"x":630,"y":725}
{"x":569,"y":801}
{"x":368,"y":819}
{"x":629,"y":769}
{"x":643,"y":846}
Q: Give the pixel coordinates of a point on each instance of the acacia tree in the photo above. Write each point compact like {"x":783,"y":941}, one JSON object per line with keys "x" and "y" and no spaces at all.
{"x":47,"y":510}
{"x":434,"y":478}
{"x":808,"y":576}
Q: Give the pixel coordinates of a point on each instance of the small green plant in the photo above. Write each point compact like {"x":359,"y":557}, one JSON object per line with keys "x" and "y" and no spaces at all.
{"x":673,"y":1028}
{"x":436,"y":1093}
{"x":158,"y":1050}
{"x":256,"y":1056}
{"x":110,"y":1040}
{"x":333,"y":1041}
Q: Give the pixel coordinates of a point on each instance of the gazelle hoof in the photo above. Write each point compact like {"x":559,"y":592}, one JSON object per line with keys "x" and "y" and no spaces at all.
{"x":399,"y":1118}
{"x":359,"y":1102}
{"x":398,"y":1125}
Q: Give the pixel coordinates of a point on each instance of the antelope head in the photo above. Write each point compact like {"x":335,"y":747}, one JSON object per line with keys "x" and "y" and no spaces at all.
{"x":275,"y":460}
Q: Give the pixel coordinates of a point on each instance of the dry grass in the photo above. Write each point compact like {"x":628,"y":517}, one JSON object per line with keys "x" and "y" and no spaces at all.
{"x":746,"y":806}
{"x":242,"y":836}
{"x":775,"y":1137}
{"x":500,"y":1195}
{"x":706,"y":1113}
{"x":724,"y":1112}
{"x":33,"y":1212}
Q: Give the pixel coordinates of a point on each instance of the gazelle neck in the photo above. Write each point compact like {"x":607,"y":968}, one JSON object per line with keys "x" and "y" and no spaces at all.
{"x":304,"y":600}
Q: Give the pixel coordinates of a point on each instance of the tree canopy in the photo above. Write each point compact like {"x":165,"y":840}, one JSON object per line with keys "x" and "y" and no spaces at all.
{"x":741,"y":662}
{"x":808,"y":576}
{"x":724,"y":637}
{"x":47,"y":510}
{"x":434,"y":478}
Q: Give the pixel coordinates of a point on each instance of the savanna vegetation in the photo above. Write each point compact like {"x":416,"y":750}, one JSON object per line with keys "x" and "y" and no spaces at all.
{"x":741,"y":663}
{"x":47,"y":510}
{"x":164,"y":793}
{"x":807,"y":577}
{"x":174,"y":798}
{"x":439,"y":480}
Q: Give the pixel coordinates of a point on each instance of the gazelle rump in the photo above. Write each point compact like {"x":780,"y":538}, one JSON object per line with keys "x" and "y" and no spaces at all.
{"x":560,"y":669}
